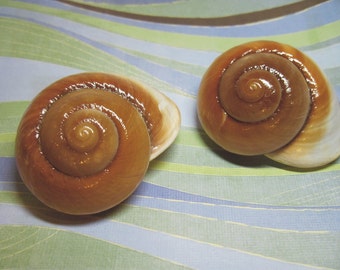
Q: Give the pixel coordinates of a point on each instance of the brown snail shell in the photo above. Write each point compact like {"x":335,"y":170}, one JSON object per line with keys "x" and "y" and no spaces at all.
{"x":265,"y":97}
{"x":85,"y":142}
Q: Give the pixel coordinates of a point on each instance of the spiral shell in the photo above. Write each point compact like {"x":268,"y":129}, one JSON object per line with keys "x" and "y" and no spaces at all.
{"x":85,"y":142}
{"x":264,"y":97}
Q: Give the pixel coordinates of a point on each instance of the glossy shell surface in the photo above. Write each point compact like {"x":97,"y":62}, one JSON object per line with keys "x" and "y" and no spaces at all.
{"x":85,"y":142}
{"x":265,"y":97}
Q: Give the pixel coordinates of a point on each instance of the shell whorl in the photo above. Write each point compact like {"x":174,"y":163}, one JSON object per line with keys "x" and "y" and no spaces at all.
{"x":263,"y":97}
{"x":78,"y":136}
{"x":259,"y":86}
{"x":85,"y":142}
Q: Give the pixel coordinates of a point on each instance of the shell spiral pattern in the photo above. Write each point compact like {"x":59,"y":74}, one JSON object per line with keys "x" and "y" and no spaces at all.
{"x":198,"y":206}
{"x":265,"y":97}
{"x":90,"y":138}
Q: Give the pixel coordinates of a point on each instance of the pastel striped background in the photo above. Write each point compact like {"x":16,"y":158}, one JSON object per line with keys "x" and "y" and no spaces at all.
{"x":198,"y":207}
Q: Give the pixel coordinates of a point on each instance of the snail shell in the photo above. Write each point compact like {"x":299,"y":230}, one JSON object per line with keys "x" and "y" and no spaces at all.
{"x":85,"y":142}
{"x":264,"y":97}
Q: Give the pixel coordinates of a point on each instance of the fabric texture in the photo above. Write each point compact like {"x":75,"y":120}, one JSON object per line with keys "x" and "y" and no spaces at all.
{"x":198,"y":206}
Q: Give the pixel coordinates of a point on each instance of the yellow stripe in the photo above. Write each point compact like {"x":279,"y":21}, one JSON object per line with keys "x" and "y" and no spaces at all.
{"x":7,"y":137}
{"x":224,"y":171}
{"x":194,"y":42}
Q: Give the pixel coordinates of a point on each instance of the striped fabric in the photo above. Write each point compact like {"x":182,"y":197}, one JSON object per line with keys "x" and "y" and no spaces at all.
{"x":198,"y":207}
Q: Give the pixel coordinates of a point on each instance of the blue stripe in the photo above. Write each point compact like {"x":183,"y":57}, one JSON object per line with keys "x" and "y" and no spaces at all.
{"x":10,"y":181}
{"x":151,"y":196}
{"x":151,"y":190}
{"x":184,"y":251}
{"x":187,"y":82}
{"x":288,"y":24}
{"x":296,"y":220}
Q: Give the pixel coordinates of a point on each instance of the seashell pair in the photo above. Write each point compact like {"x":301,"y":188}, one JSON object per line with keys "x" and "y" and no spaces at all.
{"x":85,"y":142}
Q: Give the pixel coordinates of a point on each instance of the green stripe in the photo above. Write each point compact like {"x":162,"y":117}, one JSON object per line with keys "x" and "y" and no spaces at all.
{"x":27,"y":246}
{"x":189,"y":8}
{"x":192,"y":137}
{"x":25,"y":198}
{"x":170,"y":63}
{"x":7,"y":144}
{"x":297,"y":39}
{"x":230,"y":233}
{"x":7,"y":137}
{"x":27,"y":44}
{"x":44,"y":45}
{"x":7,"y":149}
{"x":12,"y":108}
{"x":235,"y":171}
{"x":10,"y":115}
